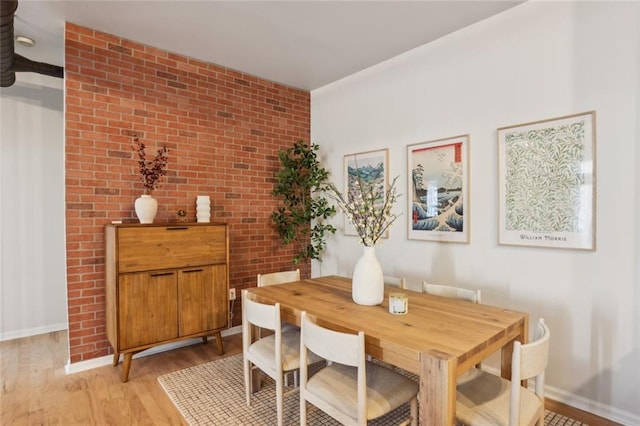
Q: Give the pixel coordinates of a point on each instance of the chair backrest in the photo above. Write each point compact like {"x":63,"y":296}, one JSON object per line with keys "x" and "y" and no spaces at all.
{"x":528,"y":360}
{"x":452,"y":292}
{"x":259,"y":314}
{"x":343,"y":348}
{"x":534,"y":356}
{"x":395,"y":281}
{"x":278,"y":277}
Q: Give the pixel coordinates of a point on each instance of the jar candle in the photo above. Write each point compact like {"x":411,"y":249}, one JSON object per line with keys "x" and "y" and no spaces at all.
{"x":398,"y":303}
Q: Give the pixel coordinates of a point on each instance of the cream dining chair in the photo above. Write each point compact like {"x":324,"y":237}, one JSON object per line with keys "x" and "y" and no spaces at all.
{"x":489,"y":400}
{"x":395,"y":281}
{"x":349,"y":389}
{"x":275,"y":354}
{"x":275,"y":278}
{"x":278,"y":277}
{"x":452,"y":292}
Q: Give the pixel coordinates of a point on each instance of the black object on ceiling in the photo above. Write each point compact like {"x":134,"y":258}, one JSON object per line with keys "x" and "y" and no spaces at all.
{"x":10,"y":61}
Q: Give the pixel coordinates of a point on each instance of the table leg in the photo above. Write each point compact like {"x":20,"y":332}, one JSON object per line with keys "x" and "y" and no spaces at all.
{"x":507,"y":350}
{"x":437,"y":389}
{"x":505,"y":363}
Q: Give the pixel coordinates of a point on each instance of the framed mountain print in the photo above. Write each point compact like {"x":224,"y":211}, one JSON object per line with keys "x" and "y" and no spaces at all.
{"x":371,"y":167}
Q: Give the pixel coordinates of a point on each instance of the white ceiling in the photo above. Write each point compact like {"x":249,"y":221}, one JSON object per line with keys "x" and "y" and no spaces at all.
{"x":304,"y":44}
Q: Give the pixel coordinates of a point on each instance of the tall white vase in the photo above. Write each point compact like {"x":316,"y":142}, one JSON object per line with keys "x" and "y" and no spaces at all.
{"x":203,"y":208}
{"x":368,"y":281}
{"x":146,"y":208}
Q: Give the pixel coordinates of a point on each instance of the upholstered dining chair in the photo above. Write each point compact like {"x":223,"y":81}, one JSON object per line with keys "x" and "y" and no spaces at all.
{"x":275,"y":278}
{"x":274,"y":354}
{"x":282,"y":277}
{"x":349,"y":389}
{"x":278,"y":277}
{"x":395,"y":281}
{"x":452,"y":292}
{"x":491,"y":400}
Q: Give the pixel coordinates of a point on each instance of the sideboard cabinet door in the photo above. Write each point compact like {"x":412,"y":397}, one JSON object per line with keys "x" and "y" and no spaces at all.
{"x":148,"y":308}
{"x":201,"y":293}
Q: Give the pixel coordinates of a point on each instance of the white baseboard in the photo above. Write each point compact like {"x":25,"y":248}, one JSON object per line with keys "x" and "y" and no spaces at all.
{"x":18,"y":334}
{"x":108,"y":360}
{"x":594,"y":407}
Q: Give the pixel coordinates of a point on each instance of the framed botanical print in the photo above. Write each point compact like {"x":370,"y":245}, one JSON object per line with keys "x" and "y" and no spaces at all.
{"x":371,"y":167}
{"x":438,"y":190}
{"x":546,"y":178}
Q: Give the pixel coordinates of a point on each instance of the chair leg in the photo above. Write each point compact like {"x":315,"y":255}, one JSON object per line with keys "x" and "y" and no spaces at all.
{"x":295,"y":379}
{"x":279,"y":397}
{"x":303,"y":411}
{"x":247,"y":381}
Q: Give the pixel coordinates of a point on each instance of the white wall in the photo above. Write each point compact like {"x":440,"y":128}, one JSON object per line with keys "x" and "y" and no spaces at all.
{"x":32,"y":261}
{"x":538,"y":60}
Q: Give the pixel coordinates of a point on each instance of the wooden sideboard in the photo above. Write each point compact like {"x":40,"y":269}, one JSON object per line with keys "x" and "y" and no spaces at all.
{"x":164,"y":283}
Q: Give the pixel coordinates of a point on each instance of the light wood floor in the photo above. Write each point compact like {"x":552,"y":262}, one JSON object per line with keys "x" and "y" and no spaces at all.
{"x":37,"y":391}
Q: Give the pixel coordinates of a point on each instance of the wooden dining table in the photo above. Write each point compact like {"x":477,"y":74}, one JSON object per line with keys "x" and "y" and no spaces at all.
{"x":438,"y":338}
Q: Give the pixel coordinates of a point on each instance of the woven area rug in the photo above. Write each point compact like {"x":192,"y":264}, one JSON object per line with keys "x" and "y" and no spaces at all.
{"x":213,"y":394}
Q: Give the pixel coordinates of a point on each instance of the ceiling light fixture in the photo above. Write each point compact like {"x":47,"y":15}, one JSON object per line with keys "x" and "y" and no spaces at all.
{"x":25,"y":41}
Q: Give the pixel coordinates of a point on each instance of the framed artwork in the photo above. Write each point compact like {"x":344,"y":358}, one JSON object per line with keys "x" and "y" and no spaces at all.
{"x":371,"y":166}
{"x":546,"y":178}
{"x":438,"y":190}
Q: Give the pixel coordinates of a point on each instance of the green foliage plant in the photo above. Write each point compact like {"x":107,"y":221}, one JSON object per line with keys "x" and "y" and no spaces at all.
{"x":301,"y":219}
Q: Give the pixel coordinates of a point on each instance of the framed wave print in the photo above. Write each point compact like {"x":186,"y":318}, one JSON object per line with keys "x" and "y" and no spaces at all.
{"x":438,"y":190}
{"x":546,"y":180}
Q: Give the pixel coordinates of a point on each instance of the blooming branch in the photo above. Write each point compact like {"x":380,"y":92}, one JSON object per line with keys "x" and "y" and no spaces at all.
{"x":367,"y":206}
{"x":151,"y":170}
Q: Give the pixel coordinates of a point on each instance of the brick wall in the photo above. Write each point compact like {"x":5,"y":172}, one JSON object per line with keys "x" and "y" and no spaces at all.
{"x":223,"y":130}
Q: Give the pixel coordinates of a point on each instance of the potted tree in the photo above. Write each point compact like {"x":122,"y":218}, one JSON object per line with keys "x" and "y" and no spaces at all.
{"x":300,"y":183}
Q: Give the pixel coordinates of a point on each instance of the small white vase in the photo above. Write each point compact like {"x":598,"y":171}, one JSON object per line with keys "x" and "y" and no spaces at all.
{"x":368,"y":281}
{"x":203,"y":208}
{"x":146,"y":208}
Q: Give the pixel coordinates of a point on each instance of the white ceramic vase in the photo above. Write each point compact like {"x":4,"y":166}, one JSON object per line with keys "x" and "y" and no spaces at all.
{"x":368,"y":280}
{"x":203,"y":208}
{"x":146,"y":208}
